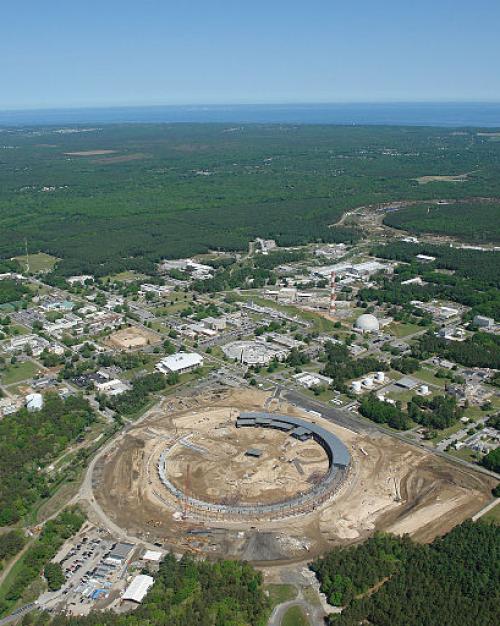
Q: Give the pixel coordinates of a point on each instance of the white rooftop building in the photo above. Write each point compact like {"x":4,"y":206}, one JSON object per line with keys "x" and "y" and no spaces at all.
{"x":113,"y":387}
{"x":179,"y":363}
{"x":72,"y":280}
{"x":34,"y":402}
{"x":309,"y":380}
{"x":367,"y":323}
{"x":138,"y":588}
{"x":152,"y":555}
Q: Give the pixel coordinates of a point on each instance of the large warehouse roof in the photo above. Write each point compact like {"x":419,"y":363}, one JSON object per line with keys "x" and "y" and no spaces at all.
{"x":138,"y":588}
{"x":180,"y":361}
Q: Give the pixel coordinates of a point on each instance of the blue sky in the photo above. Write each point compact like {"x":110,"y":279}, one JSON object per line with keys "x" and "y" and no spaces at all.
{"x":61,"y":53}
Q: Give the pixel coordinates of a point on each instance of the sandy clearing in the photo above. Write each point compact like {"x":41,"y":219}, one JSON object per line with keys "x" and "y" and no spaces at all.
{"x":84,"y":153}
{"x":458,"y":178}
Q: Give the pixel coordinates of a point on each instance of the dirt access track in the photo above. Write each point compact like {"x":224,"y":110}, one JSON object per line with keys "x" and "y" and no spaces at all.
{"x":391,"y":486}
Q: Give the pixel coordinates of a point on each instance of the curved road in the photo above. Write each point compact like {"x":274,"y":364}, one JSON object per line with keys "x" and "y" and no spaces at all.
{"x":314,"y":614}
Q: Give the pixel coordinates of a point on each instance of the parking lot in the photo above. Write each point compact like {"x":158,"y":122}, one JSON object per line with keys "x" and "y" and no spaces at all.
{"x":95,"y":568}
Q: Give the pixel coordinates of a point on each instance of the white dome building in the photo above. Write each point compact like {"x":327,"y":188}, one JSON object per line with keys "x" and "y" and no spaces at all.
{"x":367,"y":323}
{"x":34,"y":402}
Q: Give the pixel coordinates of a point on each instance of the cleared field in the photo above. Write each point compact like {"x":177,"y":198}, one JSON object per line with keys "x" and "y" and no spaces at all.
{"x":281,"y":593}
{"x":427,"y":376}
{"x":84,"y":153}
{"x":19,"y":372}
{"x":403,"y":330}
{"x":295,"y":616}
{"x":225,"y":473}
{"x":458,"y":178}
{"x":132,"y":338}
{"x":39,"y":262}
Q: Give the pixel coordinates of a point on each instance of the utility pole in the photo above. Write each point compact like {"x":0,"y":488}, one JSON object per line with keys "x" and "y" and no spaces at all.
{"x":27,"y":257}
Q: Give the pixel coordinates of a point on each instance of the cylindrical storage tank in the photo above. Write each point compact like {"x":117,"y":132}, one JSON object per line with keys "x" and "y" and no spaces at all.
{"x":368,"y":382}
{"x":356,"y":385}
{"x":380,"y":377}
{"x":424,"y":390}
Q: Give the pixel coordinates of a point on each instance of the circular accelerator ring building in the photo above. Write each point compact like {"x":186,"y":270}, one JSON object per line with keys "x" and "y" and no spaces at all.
{"x":339,"y":461}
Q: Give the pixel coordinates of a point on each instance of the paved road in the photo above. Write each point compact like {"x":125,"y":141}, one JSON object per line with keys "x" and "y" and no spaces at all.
{"x":23,"y":610}
{"x":485,"y":510}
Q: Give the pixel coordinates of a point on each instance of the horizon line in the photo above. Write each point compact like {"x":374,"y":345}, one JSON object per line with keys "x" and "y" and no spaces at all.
{"x":201,"y":105}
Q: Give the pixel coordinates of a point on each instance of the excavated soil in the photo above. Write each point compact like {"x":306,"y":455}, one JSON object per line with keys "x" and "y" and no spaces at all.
{"x":391,"y":486}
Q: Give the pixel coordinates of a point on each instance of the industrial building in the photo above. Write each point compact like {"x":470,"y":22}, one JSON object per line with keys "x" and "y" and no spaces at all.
{"x":138,"y":588}
{"x":120,"y":552}
{"x":180,"y":363}
{"x":301,"y":429}
{"x":483,"y":322}
{"x":308,"y":379}
{"x":254,"y":352}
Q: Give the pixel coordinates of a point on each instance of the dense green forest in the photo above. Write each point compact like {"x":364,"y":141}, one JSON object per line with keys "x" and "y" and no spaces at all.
{"x":480,"y":350}
{"x":492,"y":460}
{"x":437,"y":412}
{"x":175,"y":190}
{"x":12,"y":291}
{"x":188,"y":593}
{"x":11,"y":542}
{"x":137,"y":398}
{"x":31,"y":441}
{"x":454,"y":580}
{"x":38,"y":555}
{"x":472,"y":221}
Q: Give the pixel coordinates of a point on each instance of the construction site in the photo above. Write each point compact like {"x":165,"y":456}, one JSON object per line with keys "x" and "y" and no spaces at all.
{"x":379,"y":484}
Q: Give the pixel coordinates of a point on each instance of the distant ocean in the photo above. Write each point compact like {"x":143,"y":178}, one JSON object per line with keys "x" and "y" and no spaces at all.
{"x":396,"y":114}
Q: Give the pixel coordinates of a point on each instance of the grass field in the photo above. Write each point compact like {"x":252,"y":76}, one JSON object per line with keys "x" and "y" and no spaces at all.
{"x":17,"y":329}
{"x":281,"y":593}
{"x":19,"y":372}
{"x":126,"y":276}
{"x":40,"y":262}
{"x":403,"y":330}
{"x":295,"y":616}
{"x":493,"y":515}
{"x":465,"y":454}
{"x":427,"y":376}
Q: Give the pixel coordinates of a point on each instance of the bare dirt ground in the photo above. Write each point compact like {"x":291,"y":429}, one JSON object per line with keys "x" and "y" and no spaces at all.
{"x":391,"y":486}
{"x":132,"y":338}
{"x":458,"y":178}
{"x":91,"y":153}
{"x":222,"y":471}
